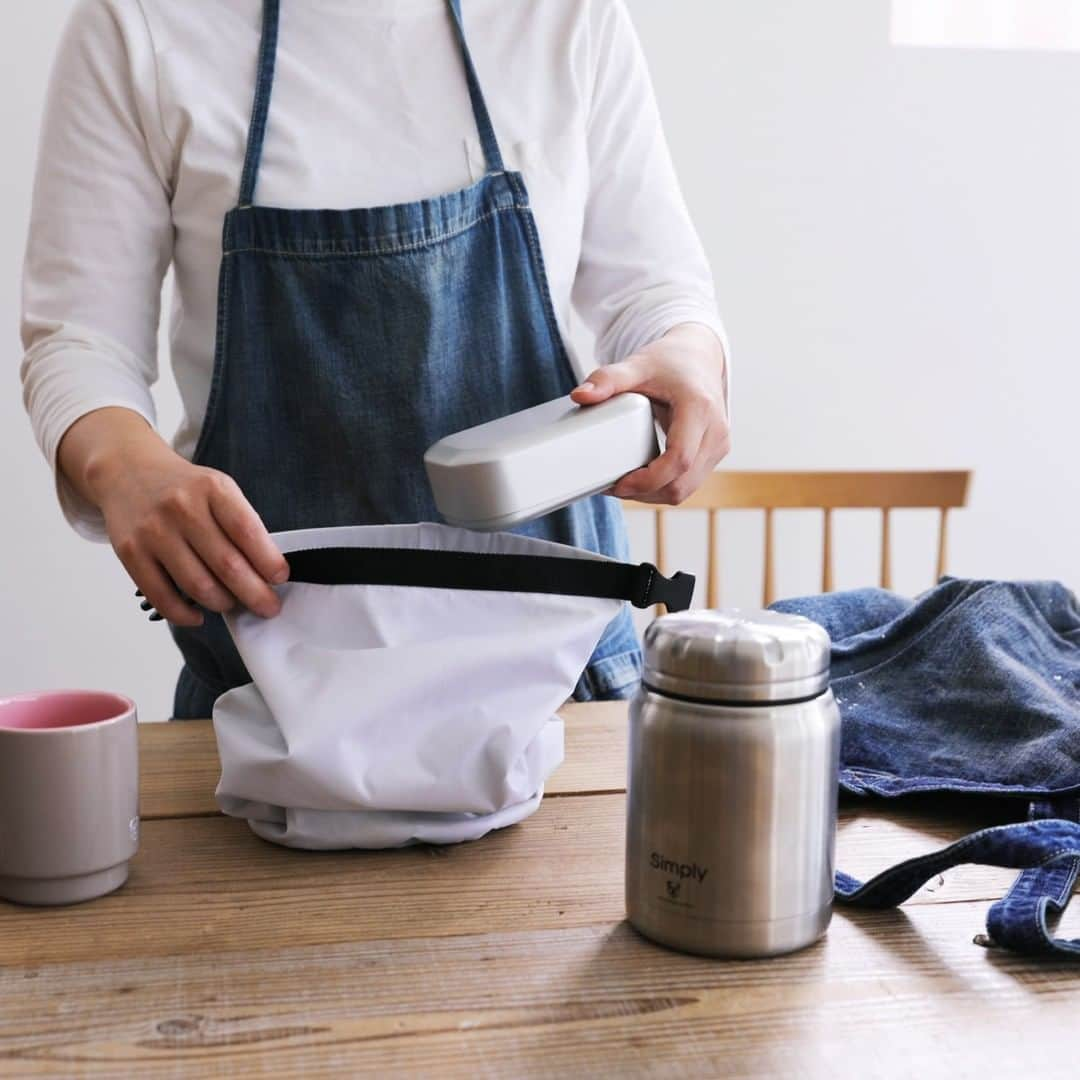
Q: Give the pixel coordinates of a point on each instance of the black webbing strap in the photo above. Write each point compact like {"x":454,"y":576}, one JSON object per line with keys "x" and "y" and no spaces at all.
{"x":642,"y":585}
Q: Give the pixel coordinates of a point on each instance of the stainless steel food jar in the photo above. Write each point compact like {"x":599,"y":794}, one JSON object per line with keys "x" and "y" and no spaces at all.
{"x":734,"y":759}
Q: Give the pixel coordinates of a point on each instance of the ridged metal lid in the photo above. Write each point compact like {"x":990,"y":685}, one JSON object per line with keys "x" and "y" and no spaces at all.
{"x":737,"y":656}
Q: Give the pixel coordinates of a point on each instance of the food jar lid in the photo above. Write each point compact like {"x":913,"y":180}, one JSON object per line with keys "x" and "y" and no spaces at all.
{"x":737,"y":656}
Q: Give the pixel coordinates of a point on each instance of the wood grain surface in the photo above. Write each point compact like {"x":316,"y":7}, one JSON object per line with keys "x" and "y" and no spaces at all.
{"x":733,"y":489}
{"x":206,"y":884}
{"x":227,"y":956}
{"x":886,"y":994}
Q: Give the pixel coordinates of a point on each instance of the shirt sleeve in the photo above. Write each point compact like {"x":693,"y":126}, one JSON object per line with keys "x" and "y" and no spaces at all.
{"x":100,"y":236}
{"x":642,"y":268}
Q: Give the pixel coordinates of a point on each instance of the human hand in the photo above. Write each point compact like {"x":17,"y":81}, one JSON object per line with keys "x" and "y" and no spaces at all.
{"x":175,"y":525}
{"x":684,"y":374}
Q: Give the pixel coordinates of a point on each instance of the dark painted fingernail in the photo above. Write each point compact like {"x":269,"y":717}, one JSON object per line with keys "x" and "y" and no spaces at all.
{"x":146,"y":605}
{"x":156,"y":616}
{"x":138,"y":592}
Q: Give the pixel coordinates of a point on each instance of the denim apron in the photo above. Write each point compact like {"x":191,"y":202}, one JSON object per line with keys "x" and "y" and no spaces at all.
{"x":974,"y":687}
{"x":349,"y":341}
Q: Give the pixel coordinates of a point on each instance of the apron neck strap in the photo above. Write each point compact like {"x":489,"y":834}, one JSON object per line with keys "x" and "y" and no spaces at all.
{"x":264,"y":84}
{"x":493,"y":160}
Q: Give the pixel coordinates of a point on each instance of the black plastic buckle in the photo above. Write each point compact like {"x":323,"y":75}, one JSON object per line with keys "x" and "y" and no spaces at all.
{"x":675,"y":592}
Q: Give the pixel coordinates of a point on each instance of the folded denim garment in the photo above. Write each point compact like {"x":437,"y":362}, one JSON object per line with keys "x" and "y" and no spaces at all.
{"x":973,"y":687}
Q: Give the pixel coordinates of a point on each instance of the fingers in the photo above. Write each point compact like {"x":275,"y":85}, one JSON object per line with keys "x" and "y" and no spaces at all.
{"x":245,"y":529}
{"x":677,"y":466}
{"x":159,"y":590}
{"x":609,"y":380}
{"x":232,"y":578}
{"x":683,"y":373}
{"x":187,"y":567}
{"x":680,"y":489}
{"x":183,"y":531}
{"x":683,"y":487}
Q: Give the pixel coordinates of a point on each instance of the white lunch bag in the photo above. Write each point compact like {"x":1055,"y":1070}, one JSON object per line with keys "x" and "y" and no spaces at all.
{"x":408,"y":690}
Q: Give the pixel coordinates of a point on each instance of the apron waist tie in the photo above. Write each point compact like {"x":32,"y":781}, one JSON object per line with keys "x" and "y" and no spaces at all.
{"x":1019,"y":920}
{"x":1046,"y":848}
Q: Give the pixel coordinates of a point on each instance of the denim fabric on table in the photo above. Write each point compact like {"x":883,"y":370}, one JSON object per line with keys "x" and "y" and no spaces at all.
{"x":972,"y":687}
{"x":349,"y":341}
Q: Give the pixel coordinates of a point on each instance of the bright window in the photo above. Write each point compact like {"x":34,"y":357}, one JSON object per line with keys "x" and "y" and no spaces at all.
{"x":987,"y":24}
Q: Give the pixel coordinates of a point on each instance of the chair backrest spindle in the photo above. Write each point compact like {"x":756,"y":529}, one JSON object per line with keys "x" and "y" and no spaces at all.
{"x":943,"y":541}
{"x":828,"y":491}
{"x":886,"y":549}
{"x":713,"y":564}
{"x":826,"y":550}
{"x":768,"y":585}
{"x":660,"y":546}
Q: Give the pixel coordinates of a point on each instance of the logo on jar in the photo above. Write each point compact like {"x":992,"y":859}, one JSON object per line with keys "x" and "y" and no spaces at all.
{"x":677,"y":871}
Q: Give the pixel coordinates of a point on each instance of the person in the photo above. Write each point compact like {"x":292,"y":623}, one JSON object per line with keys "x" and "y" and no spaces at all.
{"x":512,"y":176}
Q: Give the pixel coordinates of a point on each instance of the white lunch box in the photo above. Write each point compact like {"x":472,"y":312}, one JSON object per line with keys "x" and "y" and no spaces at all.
{"x":525,"y":465}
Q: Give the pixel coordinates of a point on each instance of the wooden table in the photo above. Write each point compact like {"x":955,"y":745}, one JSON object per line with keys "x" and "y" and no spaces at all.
{"x":225,"y":955}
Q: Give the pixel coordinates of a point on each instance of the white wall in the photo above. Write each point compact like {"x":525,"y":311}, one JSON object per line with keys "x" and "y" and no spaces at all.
{"x":896,"y":241}
{"x":895,"y":235}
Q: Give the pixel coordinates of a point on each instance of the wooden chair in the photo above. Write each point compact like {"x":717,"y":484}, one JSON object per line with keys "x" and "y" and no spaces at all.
{"x":827,"y":491}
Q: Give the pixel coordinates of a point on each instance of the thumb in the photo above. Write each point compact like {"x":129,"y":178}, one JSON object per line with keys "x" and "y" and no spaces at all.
{"x":607,"y":381}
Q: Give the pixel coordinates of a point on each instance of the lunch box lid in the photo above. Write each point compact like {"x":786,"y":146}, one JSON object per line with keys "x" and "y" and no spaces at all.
{"x":519,"y":467}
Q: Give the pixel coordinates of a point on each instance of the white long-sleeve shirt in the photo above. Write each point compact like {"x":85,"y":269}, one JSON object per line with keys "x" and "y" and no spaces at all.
{"x":142,"y":148}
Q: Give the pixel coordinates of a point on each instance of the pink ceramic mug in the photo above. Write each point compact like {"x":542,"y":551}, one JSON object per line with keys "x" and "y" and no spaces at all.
{"x":69,"y":795}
